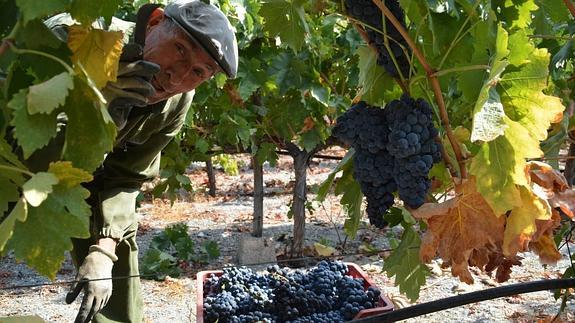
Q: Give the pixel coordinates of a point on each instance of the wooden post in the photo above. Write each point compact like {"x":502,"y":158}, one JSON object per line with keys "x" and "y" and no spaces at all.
{"x":211,"y":177}
{"x":258,"y":198}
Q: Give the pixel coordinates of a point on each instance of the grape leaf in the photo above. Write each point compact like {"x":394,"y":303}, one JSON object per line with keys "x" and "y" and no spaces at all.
{"x":546,"y":249}
{"x":49,"y":95}
{"x":68,"y":175}
{"x":351,"y":200}
{"x":90,"y":133}
{"x":521,"y":223}
{"x":557,"y":10}
{"x":345,"y":163}
{"x":35,"y":34}
{"x":376,"y":84}
{"x":32,"y":9}
{"x":86,"y":11}
{"x":97,"y":51}
{"x":31,"y":131}
{"x":20,"y":212}
{"x":286,"y":19}
{"x":404,"y":263}
{"x":63,"y":215}
{"x":8,"y":155}
{"x":8,"y":193}
{"x":517,"y":14}
{"x":500,"y":163}
{"x":37,"y":188}
{"x":449,"y":235}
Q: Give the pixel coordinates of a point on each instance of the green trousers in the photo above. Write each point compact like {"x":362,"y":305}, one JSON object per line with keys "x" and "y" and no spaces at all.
{"x":125,"y":304}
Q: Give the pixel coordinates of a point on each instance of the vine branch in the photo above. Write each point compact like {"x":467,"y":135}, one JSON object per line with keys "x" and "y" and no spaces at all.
{"x":434,"y":84}
{"x":570,"y":6}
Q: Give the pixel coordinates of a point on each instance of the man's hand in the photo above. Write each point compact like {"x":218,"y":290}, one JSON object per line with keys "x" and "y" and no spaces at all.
{"x":97,"y":265}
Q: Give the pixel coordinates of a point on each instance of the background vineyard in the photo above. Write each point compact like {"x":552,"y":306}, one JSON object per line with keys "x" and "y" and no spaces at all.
{"x":497,"y":73}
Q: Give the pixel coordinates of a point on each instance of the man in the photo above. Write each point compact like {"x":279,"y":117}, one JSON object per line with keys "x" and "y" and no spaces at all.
{"x":183,"y":46}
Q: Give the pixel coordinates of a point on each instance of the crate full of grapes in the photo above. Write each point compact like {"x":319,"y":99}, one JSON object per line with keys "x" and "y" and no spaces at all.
{"x":332,"y":291}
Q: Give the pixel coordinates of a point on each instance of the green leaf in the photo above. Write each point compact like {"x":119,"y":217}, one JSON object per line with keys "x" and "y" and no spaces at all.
{"x":20,"y":212}
{"x":86,"y":11}
{"x":8,"y":155}
{"x":37,"y":188}
{"x":404,"y":263}
{"x":211,"y":248}
{"x":32,"y":9}
{"x":49,"y":95}
{"x":555,"y":9}
{"x":90,"y":133}
{"x":31,"y":131}
{"x":159,"y":264}
{"x":35,"y":34}
{"x":63,"y":215}
{"x":516,"y":13}
{"x":286,"y":19}
{"x":345,"y":163}
{"x":376,"y":84}
{"x":267,"y":151}
{"x":352,"y":200}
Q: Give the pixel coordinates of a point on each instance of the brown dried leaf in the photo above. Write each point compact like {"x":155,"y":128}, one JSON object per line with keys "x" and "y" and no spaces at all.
{"x":502,"y":266}
{"x":546,"y":249}
{"x":308,"y":124}
{"x":545,"y":176}
{"x":565,"y":201}
{"x":459,"y":227}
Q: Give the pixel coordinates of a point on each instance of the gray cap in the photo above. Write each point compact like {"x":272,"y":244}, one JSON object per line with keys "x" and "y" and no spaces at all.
{"x":210,"y":27}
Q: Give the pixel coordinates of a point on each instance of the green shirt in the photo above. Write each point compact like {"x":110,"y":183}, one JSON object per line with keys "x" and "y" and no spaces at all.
{"x":143,"y":133}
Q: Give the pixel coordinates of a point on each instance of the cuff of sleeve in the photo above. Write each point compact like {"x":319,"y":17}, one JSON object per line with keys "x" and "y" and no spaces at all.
{"x":110,"y":255}
{"x":109,"y":232}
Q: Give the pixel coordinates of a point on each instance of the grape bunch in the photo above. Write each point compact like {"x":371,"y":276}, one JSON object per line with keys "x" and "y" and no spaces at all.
{"x":368,"y":13}
{"x":395,"y":149}
{"x":363,"y":128}
{"x":323,"y":293}
{"x":411,"y":142}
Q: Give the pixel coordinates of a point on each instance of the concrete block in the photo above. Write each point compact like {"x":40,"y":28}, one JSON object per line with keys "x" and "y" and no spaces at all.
{"x":256,"y":251}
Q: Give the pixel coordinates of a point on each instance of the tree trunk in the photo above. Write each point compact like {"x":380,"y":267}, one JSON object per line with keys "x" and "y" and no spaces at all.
{"x":258,"y":198}
{"x":211,"y":177}
{"x":300,"y":159}
{"x":570,"y":165}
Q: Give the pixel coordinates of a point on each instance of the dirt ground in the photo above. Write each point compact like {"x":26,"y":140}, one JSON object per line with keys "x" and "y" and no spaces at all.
{"x":226,"y":217}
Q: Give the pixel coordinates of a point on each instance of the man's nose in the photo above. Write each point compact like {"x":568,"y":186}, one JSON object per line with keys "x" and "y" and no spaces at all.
{"x":178,"y":73}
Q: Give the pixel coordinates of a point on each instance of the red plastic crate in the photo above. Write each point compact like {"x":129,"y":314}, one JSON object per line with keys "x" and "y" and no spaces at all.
{"x":385,"y":305}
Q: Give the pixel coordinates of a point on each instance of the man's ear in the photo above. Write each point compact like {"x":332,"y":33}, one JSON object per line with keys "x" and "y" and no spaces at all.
{"x":155,"y":19}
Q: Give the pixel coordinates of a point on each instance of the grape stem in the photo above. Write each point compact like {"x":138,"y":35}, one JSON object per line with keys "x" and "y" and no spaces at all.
{"x":363,"y":35}
{"x":570,"y":6}
{"x":16,"y":169}
{"x":20,"y":51}
{"x":434,"y":84}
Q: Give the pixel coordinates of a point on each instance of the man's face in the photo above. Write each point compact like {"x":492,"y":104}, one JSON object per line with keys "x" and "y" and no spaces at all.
{"x":184,"y":64}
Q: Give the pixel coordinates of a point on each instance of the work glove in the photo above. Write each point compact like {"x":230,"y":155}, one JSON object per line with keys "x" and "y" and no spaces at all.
{"x":132,"y":86}
{"x":97,"y":265}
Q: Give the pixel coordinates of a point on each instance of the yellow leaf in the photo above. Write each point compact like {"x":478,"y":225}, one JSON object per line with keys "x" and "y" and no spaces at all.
{"x":97,"y":51}
{"x":459,"y":227}
{"x":68,"y":175}
{"x":521,"y":223}
{"x":322,"y":250}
